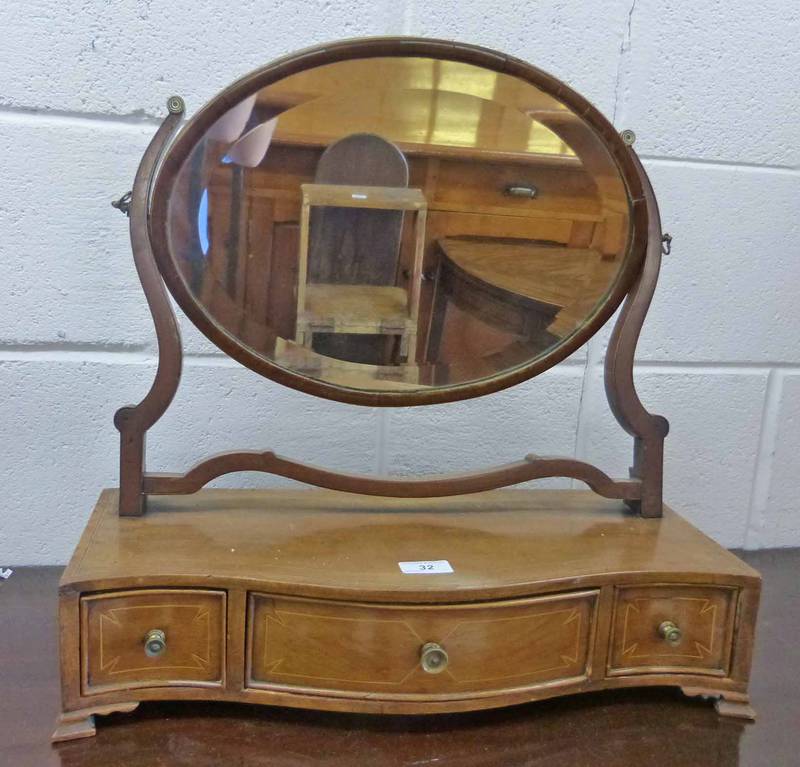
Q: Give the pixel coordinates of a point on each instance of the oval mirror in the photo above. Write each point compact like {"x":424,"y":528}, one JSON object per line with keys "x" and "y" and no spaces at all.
{"x":393,"y":223}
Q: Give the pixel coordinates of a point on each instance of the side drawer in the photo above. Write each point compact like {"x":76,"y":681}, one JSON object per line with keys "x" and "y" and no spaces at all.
{"x":345,"y":647}
{"x":672,"y":628}
{"x":115,"y":628}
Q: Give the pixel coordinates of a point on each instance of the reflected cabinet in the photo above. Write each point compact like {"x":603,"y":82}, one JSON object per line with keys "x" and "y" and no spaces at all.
{"x":395,"y":222}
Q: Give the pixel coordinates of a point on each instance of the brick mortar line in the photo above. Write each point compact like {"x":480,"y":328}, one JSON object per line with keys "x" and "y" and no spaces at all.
{"x":27,"y":116}
{"x":762,"y":466}
{"x":594,"y":359}
{"x":789,"y":170}
{"x":148,"y":355}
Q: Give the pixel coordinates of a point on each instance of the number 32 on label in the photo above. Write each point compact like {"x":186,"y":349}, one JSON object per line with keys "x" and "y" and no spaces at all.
{"x":427,"y":567}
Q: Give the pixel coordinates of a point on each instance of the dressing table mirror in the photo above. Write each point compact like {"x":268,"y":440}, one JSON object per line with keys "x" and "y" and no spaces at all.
{"x":394,"y":222}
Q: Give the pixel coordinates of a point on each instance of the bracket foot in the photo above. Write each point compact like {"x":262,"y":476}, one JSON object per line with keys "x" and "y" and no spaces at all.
{"x":736,"y":709}
{"x":73,"y":725}
{"x":735,"y":705}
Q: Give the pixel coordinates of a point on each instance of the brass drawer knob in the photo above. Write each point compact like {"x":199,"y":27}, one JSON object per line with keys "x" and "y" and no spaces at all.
{"x":671,"y":633}
{"x":433,"y":658}
{"x":155,"y":643}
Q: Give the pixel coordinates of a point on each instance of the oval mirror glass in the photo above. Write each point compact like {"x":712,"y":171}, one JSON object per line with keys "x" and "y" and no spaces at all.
{"x":405,"y":228}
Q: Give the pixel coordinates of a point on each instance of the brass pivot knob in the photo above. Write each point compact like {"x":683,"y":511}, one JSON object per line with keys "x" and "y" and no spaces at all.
{"x":671,"y":633}
{"x":433,"y":658}
{"x":155,"y":643}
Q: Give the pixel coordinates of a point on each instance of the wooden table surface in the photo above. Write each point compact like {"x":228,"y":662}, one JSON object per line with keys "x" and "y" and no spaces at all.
{"x":609,"y":729}
{"x":551,"y":275}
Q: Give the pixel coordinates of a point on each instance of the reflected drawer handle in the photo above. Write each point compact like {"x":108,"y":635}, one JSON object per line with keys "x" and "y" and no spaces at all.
{"x":521,"y":190}
{"x":155,"y":643}
{"x":433,"y":658}
{"x":671,"y":633}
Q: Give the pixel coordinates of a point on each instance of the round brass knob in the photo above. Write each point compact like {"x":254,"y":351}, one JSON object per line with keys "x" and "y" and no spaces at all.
{"x":671,"y":633}
{"x":433,"y":658}
{"x":155,"y":643}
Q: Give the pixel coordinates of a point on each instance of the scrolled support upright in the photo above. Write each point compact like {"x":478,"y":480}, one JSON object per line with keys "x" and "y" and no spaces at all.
{"x":647,"y":429}
{"x":133,"y":421}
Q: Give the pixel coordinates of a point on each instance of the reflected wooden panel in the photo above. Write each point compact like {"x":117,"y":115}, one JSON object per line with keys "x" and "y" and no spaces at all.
{"x":418,"y":102}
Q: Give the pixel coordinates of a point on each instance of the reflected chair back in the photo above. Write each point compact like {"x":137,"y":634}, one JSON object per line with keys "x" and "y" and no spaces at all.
{"x":349,"y":245}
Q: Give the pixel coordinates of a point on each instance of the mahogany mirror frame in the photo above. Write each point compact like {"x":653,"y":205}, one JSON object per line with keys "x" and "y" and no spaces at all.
{"x":635,"y":282}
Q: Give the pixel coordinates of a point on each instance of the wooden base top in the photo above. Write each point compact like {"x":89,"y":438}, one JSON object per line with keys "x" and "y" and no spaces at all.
{"x":320,"y":543}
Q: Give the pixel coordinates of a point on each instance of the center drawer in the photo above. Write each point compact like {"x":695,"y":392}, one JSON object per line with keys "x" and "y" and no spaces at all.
{"x":393,"y":649}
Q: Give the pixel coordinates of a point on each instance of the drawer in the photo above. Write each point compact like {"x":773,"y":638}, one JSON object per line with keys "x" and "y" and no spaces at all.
{"x":669,"y":628}
{"x":116,"y":626}
{"x":561,"y":192}
{"x":392,"y":650}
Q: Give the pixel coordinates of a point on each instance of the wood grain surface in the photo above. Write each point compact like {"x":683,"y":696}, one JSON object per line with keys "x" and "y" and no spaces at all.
{"x":338,"y":545}
{"x":114,"y":627}
{"x":626,"y":728}
{"x":328,"y":645}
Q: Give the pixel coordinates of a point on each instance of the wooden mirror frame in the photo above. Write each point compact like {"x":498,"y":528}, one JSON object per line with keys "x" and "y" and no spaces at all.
{"x":193,"y":132}
{"x":637,"y":279}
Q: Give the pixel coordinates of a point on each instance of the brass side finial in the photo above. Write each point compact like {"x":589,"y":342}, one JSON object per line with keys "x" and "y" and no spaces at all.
{"x":176,"y":105}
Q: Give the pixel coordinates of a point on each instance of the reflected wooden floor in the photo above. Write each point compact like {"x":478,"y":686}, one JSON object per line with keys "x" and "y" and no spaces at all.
{"x":612,"y":729}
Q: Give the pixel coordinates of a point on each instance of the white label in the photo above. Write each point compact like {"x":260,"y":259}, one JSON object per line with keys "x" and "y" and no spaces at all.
{"x":358,"y":196}
{"x":428,"y":567}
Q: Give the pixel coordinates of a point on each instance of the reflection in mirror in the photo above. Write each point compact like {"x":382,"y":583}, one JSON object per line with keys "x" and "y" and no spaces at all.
{"x":399,"y":223}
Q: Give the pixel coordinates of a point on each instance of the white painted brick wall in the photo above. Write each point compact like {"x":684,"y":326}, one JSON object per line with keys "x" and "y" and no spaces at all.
{"x":712,"y":92}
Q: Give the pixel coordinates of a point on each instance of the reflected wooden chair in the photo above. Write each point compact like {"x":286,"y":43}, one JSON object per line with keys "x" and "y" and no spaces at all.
{"x":351,"y":229}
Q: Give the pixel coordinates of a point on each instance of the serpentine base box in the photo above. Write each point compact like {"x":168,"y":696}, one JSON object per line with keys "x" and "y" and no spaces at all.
{"x":299,"y":599}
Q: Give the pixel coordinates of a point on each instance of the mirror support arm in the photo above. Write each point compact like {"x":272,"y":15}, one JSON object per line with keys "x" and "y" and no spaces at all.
{"x":133,"y":421}
{"x":647,"y":429}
